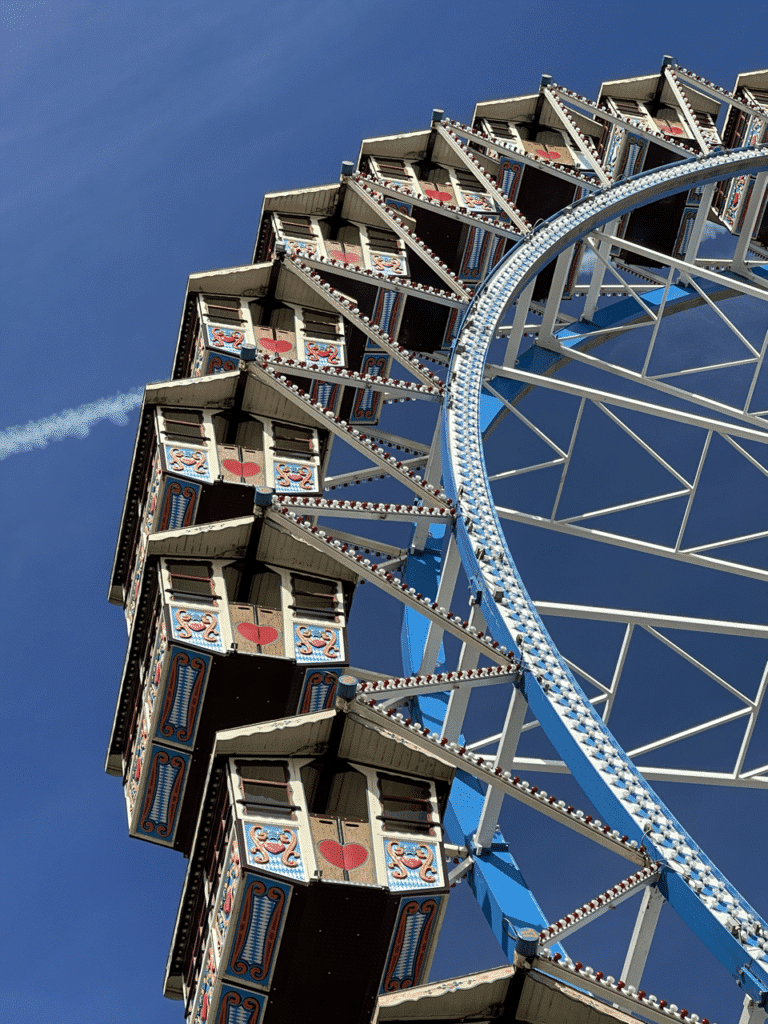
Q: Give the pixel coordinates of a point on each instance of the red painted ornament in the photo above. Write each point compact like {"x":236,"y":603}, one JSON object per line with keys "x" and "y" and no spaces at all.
{"x":241,"y":468}
{"x":349,"y":856}
{"x":257,"y":634}
{"x":275,"y":344}
{"x":440,"y":196}
{"x":344,"y":257}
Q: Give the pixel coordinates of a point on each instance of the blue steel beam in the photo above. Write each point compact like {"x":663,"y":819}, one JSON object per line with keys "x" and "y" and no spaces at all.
{"x":495,"y":878}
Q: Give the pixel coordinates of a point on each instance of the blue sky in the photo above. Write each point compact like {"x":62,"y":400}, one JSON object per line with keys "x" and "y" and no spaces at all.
{"x":138,"y":140}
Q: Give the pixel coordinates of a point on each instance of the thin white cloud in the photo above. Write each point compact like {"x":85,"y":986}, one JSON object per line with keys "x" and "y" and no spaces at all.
{"x":588,"y":261}
{"x":713,"y":231}
{"x":69,"y":423}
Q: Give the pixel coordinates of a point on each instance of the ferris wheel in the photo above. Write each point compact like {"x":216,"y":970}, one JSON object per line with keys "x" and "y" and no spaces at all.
{"x":510,"y":375}
{"x":604,"y":364}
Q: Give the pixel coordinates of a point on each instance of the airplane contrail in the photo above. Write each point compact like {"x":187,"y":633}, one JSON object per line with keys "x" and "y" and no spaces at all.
{"x":68,"y":423}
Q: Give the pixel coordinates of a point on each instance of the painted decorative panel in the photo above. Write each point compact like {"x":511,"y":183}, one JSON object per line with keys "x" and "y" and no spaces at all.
{"x":412,"y":864}
{"x":452,"y":328}
{"x":356,"y":836}
{"x":205,"y":990}
{"x":197,"y":627}
{"x":257,"y":630}
{"x":134,"y":588}
{"x":317,"y":643}
{"x":548,"y":151}
{"x":508,"y":181}
{"x":236,"y":1006}
{"x":632,"y":157}
{"x":365,"y":408}
{"x":188,"y":461}
{"x":227,"y":896}
{"x":736,"y":192}
{"x":200,"y":354}
{"x":350,"y":255}
{"x":385,"y":312}
{"x":331,"y":856}
{"x":478,"y":202}
{"x":220,"y":363}
{"x":755,"y":132}
{"x":263,"y":911}
{"x":241,"y":465}
{"x":156,"y":669}
{"x":343,"y":849}
{"x":276,"y":342}
{"x":611,"y":154}
{"x":295,"y":476}
{"x":225,"y":339}
{"x":321,"y":353}
{"x":326,"y":394}
{"x":399,"y":206}
{"x":440,"y":192}
{"x":746,"y":203}
{"x":474,"y":253}
{"x":318,"y":691}
{"x":671,"y":127}
{"x":133,"y":780}
{"x":306,"y":250}
{"x":150,"y":506}
{"x":497,"y":252}
{"x":178,"y":505}
{"x":409,"y":949}
{"x":165,"y":776}
{"x":389,"y":263}
{"x":274,"y":847}
{"x":184,"y":689}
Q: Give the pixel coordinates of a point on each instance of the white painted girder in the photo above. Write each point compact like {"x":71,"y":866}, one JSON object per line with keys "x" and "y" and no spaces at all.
{"x":642,"y":935}
{"x":734,"y":281}
{"x":611,"y":398}
{"x":657,"y":619}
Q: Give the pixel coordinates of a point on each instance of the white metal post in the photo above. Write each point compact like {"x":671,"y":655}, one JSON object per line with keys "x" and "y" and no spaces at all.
{"x":642,"y":935}
{"x":518,"y":325}
{"x":451,"y":564}
{"x":513,"y":725}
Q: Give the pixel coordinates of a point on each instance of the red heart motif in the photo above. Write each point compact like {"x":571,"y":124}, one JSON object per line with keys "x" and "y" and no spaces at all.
{"x":275,"y":344}
{"x":257,"y":634}
{"x":548,"y":154}
{"x":274,"y":847}
{"x":412,"y":862}
{"x":348,"y":857}
{"x":443,"y":196}
{"x":344,"y":257}
{"x":241,"y":468}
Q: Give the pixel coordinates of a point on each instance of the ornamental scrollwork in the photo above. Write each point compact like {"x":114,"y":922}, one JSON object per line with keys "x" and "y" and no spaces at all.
{"x":411,"y":857}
